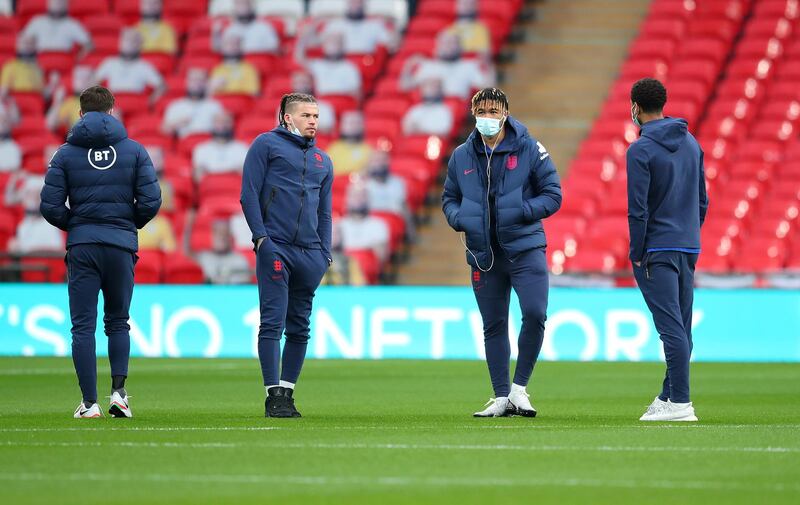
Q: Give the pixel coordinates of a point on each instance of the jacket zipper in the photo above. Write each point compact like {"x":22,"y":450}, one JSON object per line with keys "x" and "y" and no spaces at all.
{"x":496,"y":216}
{"x":302,"y":195}
{"x":269,"y":203}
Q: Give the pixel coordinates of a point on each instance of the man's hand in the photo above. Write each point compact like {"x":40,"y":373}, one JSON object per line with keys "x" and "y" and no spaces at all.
{"x":637,"y":263}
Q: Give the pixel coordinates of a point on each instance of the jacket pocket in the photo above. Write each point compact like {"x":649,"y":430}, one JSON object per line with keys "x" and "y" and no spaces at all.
{"x":272,"y":195}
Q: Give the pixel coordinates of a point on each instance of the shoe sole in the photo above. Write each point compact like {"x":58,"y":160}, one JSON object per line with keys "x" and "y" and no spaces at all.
{"x":116,"y":411}
{"x":525,"y":413}
{"x":678,"y":419}
{"x":280,"y":416}
{"x":507,"y":414}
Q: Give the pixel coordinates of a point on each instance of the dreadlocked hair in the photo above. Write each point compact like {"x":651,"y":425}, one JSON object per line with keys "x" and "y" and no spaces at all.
{"x":291,"y":98}
{"x":490,"y":95}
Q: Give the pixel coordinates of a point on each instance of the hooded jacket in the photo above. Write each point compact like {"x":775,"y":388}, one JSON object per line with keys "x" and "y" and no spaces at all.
{"x":287,"y":190}
{"x":667,"y":200}
{"x":528,"y":190}
{"x":109,"y":181}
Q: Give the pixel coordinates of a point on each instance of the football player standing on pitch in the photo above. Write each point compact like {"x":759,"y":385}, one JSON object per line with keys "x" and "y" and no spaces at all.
{"x":667,"y":204}
{"x":286,"y":199}
{"x":500,"y":184}
{"x":112,"y":190}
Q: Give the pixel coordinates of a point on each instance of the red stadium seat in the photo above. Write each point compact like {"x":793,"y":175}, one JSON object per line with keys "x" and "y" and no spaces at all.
{"x":663,"y":28}
{"x":702,"y":70}
{"x":773,"y":130}
{"x":163,"y":62}
{"x":711,"y":263}
{"x":236,"y":104}
{"x":187,"y":144}
{"x":369,"y":263}
{"x":380,"y":130}
{"x":56,"y":61}
{"x":777,"y":8}
{"x":587,"y":261}
{"x":149,"y":267}
{"x":43,"y":269}
{"x":663,"y":49}
{"x":106,"y":24}
{"x":132,"y":104}
{"x":708,"y":48}
{"x":397,"y":228}
{"x":29,"y":104}
{"x":179,"y":269}
{"x":761,"y":256}
{"x":220,"y":186}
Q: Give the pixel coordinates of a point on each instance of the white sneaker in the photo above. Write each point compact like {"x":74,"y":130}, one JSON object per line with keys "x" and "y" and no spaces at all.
{"x":91,"y":413}
{"x":657,"y":405}
{"x":495,"y":407}
{"x":668,"y":411}
{"x":119,"y":406}
{"x":520,"y":403}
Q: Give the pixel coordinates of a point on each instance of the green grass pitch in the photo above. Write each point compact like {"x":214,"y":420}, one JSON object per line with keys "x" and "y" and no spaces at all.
{"x":398,"y":432}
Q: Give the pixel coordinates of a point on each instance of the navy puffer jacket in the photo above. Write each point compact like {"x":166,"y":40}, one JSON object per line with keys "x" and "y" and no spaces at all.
{"x":529,"y":191}
{"x":108,"y":180}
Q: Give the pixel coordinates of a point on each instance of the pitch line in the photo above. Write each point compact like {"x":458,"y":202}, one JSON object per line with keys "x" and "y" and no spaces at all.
{"x":142,"y":428}
{"x":399,"y":481}
{"x":534,"y":425}
{"x":405,"y":447}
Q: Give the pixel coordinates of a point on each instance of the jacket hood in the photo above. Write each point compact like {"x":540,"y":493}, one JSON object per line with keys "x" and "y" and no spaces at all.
{"x":515,"y":133}
{"x":301,"y":142}
{"x":668,"y":132}
{"x":96,"y":129}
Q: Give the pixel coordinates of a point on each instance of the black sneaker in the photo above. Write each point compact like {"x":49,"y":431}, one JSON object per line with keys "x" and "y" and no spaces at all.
{"x":289,"y":393}
{"x":278,"y":404}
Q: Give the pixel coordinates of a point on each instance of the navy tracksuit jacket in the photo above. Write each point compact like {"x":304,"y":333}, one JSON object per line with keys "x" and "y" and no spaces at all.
{"x":286,"y":198}
{"x":500,"y":214}
{"x":112,"y":190}
{"x":667,"y":204}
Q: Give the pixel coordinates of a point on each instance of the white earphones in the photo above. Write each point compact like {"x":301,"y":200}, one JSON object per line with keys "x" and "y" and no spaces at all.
{"x":488,"y":190}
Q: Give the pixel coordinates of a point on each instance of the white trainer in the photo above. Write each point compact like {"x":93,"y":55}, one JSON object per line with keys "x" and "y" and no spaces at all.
{"x":119,"y":406}
{"x":668,"y":411}
{"x":520,"y":403}
{"x":653,"y":408}
{"x":495,"y":407}
{"x":91,"y":413}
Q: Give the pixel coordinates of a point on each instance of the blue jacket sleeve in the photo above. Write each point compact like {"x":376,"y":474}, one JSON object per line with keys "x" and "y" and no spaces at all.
{"x":324,"y":214}
{"x":547,"y":185}
{"x":253,"y":176}
{"x":638,"y":188}
{"x":703,"y":193}
{"x":451,"y":196}
{"x":54,"y":194}
{"x":147,"y":192}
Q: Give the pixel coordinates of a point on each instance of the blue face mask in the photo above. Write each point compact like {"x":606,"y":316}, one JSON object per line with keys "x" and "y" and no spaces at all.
{"x":487,"y":126}
{"x":635,"y":117}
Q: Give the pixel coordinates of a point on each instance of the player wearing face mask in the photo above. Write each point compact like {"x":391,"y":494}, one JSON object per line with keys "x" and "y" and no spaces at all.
{"x":286,"y":199}
{"x":500,"y":184}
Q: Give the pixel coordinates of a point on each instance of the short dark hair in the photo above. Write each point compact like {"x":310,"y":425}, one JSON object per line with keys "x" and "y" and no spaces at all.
{"x":490,"y":95}
{"x":292,"y":98}
{"x":649,"y":94}
{"x":96,"y":99}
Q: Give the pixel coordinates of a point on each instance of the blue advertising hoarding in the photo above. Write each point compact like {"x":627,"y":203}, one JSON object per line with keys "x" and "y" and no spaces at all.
{"x":409,"y":322}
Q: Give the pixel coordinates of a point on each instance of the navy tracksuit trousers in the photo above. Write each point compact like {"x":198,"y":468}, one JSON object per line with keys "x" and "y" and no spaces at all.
{"x":527,"y":274}
{"x":288,"y":277}
{"x":666,"y":279}
{"x":92,"y":268}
